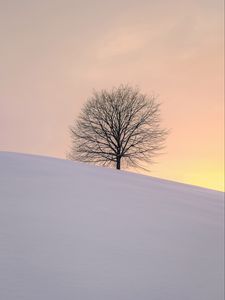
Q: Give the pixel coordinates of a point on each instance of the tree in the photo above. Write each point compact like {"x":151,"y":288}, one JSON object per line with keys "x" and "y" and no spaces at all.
{"x":118,"y":125}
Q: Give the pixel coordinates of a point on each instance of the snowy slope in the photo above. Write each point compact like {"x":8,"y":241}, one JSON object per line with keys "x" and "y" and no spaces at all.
{"x":73,"y":231}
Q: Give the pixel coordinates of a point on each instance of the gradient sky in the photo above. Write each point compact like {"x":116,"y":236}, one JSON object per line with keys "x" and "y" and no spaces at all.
{"x":54,"y":53}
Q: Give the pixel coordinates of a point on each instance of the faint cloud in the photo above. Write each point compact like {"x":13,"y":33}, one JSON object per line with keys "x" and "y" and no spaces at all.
{"x":121,"y":42}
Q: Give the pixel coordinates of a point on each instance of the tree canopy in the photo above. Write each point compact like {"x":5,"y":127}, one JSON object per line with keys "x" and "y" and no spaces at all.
{"x":118,"y":126}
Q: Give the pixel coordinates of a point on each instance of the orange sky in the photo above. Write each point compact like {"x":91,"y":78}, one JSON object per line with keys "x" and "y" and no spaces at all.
{"x":53,"y":53}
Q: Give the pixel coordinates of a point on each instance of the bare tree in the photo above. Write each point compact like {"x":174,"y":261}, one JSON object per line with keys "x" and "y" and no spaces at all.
{"x":118,"y":125}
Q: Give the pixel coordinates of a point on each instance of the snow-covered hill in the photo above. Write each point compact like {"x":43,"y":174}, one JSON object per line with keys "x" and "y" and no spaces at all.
{"x":70,"y":231}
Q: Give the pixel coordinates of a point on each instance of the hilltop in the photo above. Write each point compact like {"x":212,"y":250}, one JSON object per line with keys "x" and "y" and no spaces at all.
{"x":75,"y":231}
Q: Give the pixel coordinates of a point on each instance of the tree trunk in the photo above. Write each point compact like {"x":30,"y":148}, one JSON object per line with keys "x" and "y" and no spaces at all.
{"x":118,"y":159}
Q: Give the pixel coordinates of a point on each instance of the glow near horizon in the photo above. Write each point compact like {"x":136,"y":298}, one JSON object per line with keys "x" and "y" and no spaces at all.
{"x":54,"y":53}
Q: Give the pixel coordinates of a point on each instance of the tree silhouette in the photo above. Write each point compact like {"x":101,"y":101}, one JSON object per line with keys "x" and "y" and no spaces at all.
{"x":118,"y":125}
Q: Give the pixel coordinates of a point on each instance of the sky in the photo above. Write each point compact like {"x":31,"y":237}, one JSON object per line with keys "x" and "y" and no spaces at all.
{"x":54,"y":53}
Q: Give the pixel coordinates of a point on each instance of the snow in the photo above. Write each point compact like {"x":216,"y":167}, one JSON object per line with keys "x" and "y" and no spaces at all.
{"x":74,"y":231}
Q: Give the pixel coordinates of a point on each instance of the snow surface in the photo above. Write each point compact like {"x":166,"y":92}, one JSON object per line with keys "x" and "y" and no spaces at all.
{"x":74,"y":231}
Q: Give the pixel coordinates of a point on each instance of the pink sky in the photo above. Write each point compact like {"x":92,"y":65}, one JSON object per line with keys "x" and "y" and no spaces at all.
{"x":54,"y":53}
